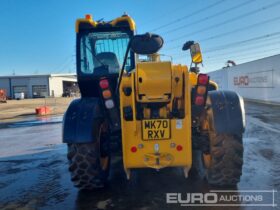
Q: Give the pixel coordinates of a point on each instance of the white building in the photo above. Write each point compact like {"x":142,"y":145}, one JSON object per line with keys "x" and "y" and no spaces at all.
{"x":257,"y":80}
{"x":36,"y":86}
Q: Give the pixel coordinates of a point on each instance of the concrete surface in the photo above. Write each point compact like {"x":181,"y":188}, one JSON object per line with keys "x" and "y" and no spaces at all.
{"x":33,"y":170}
{"x":15,"y":110}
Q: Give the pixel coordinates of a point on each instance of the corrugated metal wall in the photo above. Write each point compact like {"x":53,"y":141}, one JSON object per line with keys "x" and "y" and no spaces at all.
{"x":5,"y":84}
{"x":22,"y":84}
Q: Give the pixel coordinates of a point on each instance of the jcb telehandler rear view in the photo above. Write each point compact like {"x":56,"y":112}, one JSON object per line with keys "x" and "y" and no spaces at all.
{"x":162,"y":115}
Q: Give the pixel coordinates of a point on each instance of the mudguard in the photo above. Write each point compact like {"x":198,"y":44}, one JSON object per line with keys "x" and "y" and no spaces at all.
{"x":226,"y":111}
{"x":81,"y":119}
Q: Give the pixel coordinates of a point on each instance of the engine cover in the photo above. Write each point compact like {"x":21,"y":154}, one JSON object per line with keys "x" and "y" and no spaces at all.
{"x":153,"y":82}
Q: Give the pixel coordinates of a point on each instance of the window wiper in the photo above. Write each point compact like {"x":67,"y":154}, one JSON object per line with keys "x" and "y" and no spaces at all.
{"x":123,"y":66}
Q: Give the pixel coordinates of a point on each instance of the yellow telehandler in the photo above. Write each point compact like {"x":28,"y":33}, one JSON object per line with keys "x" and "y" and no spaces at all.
{"x":162,"y":114}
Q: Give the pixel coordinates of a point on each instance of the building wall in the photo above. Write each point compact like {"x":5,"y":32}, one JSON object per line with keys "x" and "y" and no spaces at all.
{"x":5,"y":84}
{"x":45,"y":84}
{"x":221,"y":78}
{"x":56,"y":85}
{"x":258,"y":80}
{"x":29,"y":82}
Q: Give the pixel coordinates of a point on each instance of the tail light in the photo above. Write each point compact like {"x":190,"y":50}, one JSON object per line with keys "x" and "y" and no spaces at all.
{"x":109,"y":104}
{"x":201,"y":89}
{"x":106,"y":94}
{"x":203,"y":79}
{"x":199,"y":100}
{"x":104,"y":84}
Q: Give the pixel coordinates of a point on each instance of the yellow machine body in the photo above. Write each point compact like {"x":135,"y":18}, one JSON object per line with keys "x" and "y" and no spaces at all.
{"x":153,"y":141}
{"x":154,"y":83}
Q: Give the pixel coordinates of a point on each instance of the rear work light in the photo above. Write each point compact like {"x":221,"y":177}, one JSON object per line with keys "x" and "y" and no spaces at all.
{"x":104,"y":84}
{"x":109,"y":104}
{"x":107,"y":94}
{"x":203,"y":79}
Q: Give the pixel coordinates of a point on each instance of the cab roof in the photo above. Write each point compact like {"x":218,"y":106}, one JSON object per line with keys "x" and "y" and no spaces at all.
{"x":89,"y":23}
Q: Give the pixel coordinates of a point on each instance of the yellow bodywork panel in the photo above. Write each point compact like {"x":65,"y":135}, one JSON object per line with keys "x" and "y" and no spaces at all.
{"x":177,"y":82}
{"x":128,"y":19}
{"x":193,"y":78}
{"x":214,"y":84}
{"x":113,"y":23}
{"x":153,"y":82}
{"x":163,"y":142}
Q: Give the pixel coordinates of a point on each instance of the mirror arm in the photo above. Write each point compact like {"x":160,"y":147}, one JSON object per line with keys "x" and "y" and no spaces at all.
{"x":123,"y":66}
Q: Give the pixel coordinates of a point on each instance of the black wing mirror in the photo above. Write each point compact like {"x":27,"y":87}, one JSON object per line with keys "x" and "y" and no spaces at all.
{"x":146,"y":44}
{"x":187,"y":45}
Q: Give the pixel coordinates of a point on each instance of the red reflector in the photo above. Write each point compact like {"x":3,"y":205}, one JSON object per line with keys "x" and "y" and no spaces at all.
{"x":104,"y":84}
{"x":199,"y":100}
{"x":179,"y":148}
{"x":203,"y":79}
{"x":133,"y":149}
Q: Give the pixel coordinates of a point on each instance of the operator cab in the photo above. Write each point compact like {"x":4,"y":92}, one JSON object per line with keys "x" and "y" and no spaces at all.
{"x":101,"y":48}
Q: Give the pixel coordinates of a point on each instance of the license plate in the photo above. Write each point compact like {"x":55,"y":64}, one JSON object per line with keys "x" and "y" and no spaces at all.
{"x":155,"y":129}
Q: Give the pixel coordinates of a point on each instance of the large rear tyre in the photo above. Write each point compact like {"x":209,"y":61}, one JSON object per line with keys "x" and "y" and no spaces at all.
{"x":89,"y":163}
{"x":224,"y":165}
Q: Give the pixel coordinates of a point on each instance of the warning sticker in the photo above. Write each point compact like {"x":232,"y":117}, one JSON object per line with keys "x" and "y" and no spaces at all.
{"x":179,"y":124}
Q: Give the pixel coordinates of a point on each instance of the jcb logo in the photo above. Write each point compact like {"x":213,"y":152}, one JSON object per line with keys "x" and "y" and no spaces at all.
{"x":241,"y":81}
{"x":155,"y":129}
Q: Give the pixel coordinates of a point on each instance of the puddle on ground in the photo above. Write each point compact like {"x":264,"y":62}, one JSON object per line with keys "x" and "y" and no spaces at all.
{"x":32,"y":121}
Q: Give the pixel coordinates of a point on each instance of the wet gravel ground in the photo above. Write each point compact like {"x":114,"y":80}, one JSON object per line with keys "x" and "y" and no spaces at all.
{"x":33,"y":170}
